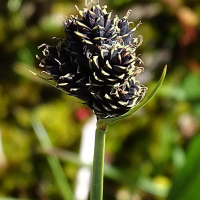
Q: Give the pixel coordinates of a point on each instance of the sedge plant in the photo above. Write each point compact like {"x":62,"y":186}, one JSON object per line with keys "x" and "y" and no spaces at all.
{"x":97,"y":63}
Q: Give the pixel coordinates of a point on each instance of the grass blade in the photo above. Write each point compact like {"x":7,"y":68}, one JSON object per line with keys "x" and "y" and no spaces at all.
{"x":187,"y":183}
{"x":53,"y":161}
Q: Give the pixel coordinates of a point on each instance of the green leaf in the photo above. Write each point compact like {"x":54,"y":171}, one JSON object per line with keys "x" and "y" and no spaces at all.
{"x":47,"y":79}
{"x":53,"y":161}
{"x":187,"y":183}
{"x":140,"y":105}
{"x":190,"y":86}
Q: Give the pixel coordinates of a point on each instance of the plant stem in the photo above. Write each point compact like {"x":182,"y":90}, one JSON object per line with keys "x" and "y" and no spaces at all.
{"x":98,"y":163}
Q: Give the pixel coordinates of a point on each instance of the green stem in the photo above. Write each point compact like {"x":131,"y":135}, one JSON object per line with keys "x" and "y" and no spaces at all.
{"x":98,"y":163}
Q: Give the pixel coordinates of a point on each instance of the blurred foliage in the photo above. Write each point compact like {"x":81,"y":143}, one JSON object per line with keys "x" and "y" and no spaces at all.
{"x":149,"y":148}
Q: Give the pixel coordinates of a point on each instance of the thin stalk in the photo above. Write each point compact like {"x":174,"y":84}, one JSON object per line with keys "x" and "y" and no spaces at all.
{"x":98,"y":163}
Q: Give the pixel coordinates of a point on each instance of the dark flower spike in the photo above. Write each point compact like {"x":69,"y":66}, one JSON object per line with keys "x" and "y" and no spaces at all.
{"x":106,"y":82}
{"x":97,"y":28}
{"x":101,"y":123}
{"x":97,"y":62}
{"x":62,"y":66}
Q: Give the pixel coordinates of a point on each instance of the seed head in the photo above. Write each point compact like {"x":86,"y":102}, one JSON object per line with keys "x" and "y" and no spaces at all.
{"x":97,"y":61}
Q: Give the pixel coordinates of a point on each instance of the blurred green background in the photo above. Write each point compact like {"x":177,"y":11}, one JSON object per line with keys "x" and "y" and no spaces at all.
{"x":154,"y":149}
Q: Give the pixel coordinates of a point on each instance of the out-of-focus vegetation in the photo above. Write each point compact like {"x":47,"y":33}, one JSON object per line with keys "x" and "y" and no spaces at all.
{"x":152,"y":150}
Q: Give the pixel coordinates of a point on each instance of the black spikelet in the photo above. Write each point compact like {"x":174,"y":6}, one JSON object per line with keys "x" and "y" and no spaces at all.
{"x":97,"y":28}
{"x":97,"y":62}
{"x":63,"y":65}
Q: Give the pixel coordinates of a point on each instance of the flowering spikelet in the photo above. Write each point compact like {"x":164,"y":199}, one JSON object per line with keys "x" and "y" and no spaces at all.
{"x":97,"y":62}
{"x":97,"y":28}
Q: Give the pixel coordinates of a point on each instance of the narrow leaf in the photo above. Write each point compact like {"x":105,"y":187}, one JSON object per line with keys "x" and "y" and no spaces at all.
{"x":51,"y":82}
{"x":187,"y":183}
{"x":53,"y":161}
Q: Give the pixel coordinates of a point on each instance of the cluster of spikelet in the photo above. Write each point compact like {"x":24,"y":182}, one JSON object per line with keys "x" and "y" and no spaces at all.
{"x":97,"y":62}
